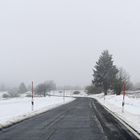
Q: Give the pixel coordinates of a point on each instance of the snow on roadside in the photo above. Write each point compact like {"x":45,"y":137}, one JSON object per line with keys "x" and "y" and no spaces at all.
{"x":131,"y":113}
{"x":17,"y":109}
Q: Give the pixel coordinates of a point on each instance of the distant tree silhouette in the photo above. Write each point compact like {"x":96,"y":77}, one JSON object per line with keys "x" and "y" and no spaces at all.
{"x":41,"y":89}
{"x":22,"y":88}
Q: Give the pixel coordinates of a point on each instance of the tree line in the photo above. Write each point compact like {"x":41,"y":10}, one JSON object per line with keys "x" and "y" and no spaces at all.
{"x":41,"y":89}
{"x":107,"y":76}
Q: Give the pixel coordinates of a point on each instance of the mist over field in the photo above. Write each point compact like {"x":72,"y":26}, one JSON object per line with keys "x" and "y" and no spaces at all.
{"x":61,"y":40}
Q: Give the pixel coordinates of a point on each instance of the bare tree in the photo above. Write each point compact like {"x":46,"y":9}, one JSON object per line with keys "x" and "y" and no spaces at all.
{"x":13,"y":92}
{"x":41,"y":89}
{"x":125,"y":78}
{"x":121,"y":78}
{"x":50,"y":85}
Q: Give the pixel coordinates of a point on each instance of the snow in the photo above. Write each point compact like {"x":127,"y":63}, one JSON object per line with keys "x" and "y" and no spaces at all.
{"x":16,"y":109}
{"x":131,"y":114}
{"x":69,"y":93}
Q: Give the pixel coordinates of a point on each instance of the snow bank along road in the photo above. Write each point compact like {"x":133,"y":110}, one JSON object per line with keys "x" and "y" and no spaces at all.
{"x":82,"y":119}
{"x":131,"y":114}
{"x":17,"y":109}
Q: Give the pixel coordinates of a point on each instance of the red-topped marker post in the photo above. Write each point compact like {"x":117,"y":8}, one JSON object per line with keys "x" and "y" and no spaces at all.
{"x":32,"y":102}
{"x":124,"y":93}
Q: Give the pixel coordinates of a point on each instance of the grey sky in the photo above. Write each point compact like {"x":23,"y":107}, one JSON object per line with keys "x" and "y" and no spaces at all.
{"x":61,"y":40}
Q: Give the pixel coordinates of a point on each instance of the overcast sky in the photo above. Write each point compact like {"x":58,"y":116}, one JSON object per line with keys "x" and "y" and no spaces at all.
{"x":61,"y":40}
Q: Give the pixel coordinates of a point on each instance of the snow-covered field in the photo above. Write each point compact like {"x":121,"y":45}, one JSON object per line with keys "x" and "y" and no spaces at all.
{"x":16,"y":109}
{"x":131,"y":114}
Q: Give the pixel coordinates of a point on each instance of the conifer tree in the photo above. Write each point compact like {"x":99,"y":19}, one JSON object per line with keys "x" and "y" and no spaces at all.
{"x":104,"y":72}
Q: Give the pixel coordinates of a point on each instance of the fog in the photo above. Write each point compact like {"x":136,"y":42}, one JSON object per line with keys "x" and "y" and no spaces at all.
{"x":61,"y":40}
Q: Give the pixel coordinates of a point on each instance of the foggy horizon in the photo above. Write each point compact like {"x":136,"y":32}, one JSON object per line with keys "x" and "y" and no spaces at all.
{"x":61,"y":40}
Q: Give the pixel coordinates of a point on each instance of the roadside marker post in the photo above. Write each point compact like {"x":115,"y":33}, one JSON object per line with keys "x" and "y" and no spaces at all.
{"x":104,"y":98}
{"x":124,"y":93}
{"x":64,"y":95}
{"x":32,"y":102}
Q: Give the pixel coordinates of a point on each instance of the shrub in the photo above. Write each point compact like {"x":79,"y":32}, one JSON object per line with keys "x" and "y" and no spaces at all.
{"x":76,"y":92}
{"x":28,"y":95}
{"x":5,"y":96}
{"x":92,"y":89}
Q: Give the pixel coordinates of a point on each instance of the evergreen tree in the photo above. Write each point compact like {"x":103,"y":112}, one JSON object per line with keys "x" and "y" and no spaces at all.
{"x":104,"y":72}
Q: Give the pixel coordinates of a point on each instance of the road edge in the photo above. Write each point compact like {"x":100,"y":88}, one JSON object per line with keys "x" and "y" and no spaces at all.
{"x":29,"y":115}
{"x":125,"y":124}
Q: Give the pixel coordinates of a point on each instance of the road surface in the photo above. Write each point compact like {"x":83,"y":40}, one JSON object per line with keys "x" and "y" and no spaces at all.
{"x":78,"y":120}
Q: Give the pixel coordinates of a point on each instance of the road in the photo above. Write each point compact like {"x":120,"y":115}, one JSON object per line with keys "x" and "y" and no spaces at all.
{"x":78,"y":120}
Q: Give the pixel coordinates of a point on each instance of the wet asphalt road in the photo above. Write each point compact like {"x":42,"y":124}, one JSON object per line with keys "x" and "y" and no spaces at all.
{"x":74,"y":121}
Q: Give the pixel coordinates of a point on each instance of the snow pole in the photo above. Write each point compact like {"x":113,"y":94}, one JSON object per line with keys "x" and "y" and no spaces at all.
{"x":32,"y":102}
{"x":124,"y":93}
{"x":64,"y":95}
{"x":113,"y":88}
